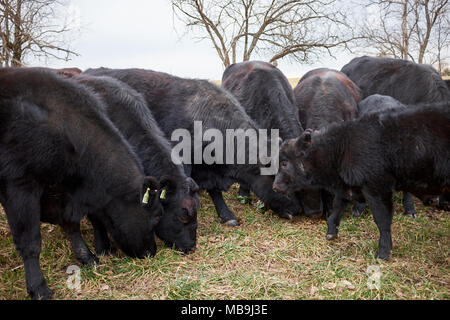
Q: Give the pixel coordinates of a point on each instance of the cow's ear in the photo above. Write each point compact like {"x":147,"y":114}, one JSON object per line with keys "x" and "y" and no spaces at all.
{"x":303,"y":143}
{"x":168,"y":185}
{"x":149,"y":190}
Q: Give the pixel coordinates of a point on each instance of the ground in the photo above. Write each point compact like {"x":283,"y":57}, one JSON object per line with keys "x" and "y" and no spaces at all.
{"x":265,"y":258}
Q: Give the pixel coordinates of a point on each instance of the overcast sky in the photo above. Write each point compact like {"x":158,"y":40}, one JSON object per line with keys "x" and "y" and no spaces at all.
{"x":144,"y":34}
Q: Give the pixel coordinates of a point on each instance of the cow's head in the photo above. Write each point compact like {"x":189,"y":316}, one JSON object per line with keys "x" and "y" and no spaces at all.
{"x":131,"y":218}
{"x":296,"y":165}
{"x":178,"y":226}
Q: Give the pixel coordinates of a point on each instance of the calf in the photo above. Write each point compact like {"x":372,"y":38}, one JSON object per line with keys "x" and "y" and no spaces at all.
{"x":267,"y":97}
{"x":408,"y":82}
{"x":324,"y":97}
{"x":128,"y":110}
{"x":61,"y":158}
{"x":379,"y":103}
{"x":178,"y":103}
{"x":376,"y":154}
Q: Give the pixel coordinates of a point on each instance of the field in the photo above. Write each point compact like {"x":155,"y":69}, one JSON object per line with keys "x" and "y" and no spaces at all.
{"x":265,"y":258}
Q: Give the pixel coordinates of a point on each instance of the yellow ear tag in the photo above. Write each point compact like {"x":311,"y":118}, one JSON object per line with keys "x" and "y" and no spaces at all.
{"x":163,"y":195}
{"x":146,"y":196}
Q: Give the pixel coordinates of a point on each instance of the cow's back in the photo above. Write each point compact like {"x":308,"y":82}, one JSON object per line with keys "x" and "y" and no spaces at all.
{"x":408,"y":82}
{"x":266,"y":95}
{"x":324,"y":97}
{"x":177,"y":102}
{"x":60,"y":135}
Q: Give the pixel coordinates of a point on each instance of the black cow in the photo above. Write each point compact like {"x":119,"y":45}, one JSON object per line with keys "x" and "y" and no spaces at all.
{"x":406,"y":81}
{"x":60,"y":158}
{"x":267,"y":97}
{"x":128,"y":110}
{"x":376,"y":154}
{"x":379,"y":103}
{"x":176,"y":104}
{"x":324,"y":97}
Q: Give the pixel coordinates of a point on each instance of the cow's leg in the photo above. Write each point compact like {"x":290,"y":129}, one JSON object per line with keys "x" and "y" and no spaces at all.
{"x":359,"y":208}
{"x":102,"y":243}
{"x":312,"y":201}
{"x":244,"y":192}
{"x":408,"y":205}
{"x":334,"y":220}
{"x":23,"y":213}
{"x":444,"y":202}
{"x":225,"y":215}
{"x":79,"y":247}
{"x":381,"y":205}
{"x":327,"y":199}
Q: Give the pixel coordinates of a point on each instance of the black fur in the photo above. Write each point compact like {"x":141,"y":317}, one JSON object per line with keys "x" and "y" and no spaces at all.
{"x":379,"y":103}
{"x":376,"y":154}
{"x":408,"y":82}
{"x":325,"y":97}
{"x":61,"y":158}
{"x":176,"y":103}
{"x":128,"y":110}
{"x":267,"y":97}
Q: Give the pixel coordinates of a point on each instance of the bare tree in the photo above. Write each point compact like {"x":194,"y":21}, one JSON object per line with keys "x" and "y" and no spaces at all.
{"x":301,"y":30}
{"x":416,"y":30}
{"x":33,"y":28}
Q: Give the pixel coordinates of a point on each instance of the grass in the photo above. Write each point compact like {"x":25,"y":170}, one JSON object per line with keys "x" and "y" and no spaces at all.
{"x":265,"y":258}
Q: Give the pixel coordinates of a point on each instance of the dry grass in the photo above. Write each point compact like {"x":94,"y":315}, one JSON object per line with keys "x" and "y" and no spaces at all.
{"x":265,"y":258}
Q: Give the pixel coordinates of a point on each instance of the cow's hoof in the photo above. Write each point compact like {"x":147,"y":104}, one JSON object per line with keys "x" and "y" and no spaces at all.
{"x":357,"y":213}
{"x":315,"y":216}
{"x":104,"y":252}
{"x":383,"y":257}
{"x":42,"y":292}
{"x":332,"y":237}
{"x":88,"y":260}
{"x":232,"y":223}
{"x":433,"y":202}
{"x":412,"y":215}
{"x":105,"y":249}
{"x":286,"y":216}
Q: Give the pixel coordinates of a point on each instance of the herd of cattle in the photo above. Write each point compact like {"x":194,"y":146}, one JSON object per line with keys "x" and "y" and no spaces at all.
{"x":96,"y":143}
